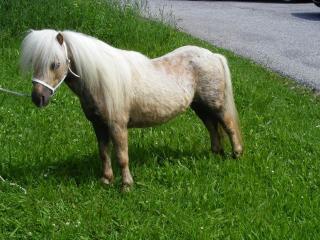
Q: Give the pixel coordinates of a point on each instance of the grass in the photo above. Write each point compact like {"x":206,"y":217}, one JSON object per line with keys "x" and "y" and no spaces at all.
{"x":182,"y":191}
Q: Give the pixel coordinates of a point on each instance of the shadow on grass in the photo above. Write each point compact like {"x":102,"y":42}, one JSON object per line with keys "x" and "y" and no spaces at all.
{"x":78,"y":168}
{"x":84,"y":169}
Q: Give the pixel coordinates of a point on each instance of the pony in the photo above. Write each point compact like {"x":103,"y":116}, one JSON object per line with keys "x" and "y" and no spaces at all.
{"x":120,"y":89}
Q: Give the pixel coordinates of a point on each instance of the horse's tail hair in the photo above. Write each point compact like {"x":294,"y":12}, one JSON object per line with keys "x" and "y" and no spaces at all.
{"x":229,"y":104}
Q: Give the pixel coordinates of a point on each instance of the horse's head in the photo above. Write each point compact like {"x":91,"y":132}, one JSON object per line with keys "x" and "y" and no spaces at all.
{"x":45,"y":52}
{"x":46,"y":81}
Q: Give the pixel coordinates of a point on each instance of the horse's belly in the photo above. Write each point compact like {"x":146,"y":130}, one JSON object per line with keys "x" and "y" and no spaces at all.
{"x":157,"y":109}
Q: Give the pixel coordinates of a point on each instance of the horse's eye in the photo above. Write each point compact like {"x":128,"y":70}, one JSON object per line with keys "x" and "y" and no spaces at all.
{"x":54,"y":66}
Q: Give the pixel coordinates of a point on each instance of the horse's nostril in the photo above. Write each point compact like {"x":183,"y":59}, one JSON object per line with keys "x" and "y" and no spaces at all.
{"x":40,"y":95}
{"x":39,"y":100}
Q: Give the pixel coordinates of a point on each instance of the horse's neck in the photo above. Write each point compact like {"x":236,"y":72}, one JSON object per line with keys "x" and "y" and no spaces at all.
{"x":87,"y":100}
{"x":72,"y":80}
{"x":74,"y":84}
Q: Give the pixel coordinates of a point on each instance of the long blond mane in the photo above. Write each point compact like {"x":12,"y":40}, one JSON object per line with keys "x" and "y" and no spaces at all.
{"x":100,"y":66}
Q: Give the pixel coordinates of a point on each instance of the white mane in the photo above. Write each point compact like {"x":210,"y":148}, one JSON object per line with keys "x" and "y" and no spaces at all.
{"x":99,"y":65}
{"x":39,"y":50}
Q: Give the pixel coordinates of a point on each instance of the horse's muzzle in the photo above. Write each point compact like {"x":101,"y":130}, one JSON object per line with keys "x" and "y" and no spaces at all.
{"x":40,"y":95}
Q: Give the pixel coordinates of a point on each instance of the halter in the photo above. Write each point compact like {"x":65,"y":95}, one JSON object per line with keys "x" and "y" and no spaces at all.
{"x":53,"y":89}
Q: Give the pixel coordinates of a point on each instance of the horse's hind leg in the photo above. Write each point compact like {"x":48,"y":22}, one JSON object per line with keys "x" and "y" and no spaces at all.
{"x":215,"y":136}
{"x":211,"y":123}
{"x":230,"y":125}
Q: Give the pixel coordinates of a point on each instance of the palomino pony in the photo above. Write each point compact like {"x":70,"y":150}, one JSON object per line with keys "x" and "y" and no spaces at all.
{"x":121,"y":89}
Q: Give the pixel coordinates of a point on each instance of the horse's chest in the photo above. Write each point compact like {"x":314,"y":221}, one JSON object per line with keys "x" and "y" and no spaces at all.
{"x":92,"y":110}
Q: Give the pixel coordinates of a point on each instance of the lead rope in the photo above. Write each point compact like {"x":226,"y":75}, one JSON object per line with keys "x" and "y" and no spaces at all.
{"x":14,"y":184}
{"x":19,"y":94}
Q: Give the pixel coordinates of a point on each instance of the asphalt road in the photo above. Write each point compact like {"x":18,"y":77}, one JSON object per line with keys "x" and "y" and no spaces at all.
{"x":283,"y":37}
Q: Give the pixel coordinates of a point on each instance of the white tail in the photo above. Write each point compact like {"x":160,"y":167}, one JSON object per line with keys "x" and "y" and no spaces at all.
{"x":229,"y":105}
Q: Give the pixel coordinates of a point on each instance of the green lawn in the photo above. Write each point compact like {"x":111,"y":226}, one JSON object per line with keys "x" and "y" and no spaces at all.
{"x":182,"y":191}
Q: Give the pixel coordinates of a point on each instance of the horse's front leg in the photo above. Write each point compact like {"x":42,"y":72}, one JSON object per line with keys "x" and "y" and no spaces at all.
{"x":120,"y":139}
{"x":103,"y":137}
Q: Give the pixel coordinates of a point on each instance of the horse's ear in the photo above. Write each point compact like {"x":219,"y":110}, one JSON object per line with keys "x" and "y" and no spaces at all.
{"x":60,"y":38}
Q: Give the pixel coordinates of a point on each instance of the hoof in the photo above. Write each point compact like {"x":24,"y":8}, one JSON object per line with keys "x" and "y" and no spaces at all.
{"x":237,"y":151}
{"x":126,"y":188}
{"x":105,"y":181}
{"x":219,"y":152}
{"x":237,"y":154}
{"x":217,"y":149}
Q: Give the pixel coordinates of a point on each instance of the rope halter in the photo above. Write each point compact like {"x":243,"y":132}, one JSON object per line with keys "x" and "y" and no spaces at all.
{"x":54,"y":89}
